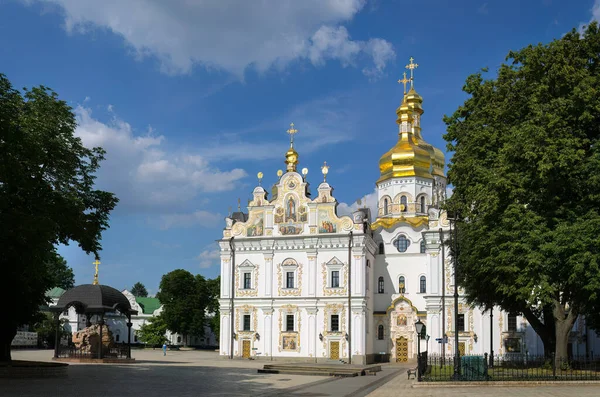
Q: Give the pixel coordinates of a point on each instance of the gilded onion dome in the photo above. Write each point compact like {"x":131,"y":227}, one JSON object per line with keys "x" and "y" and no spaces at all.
{"x":291,"y":156}
{"x":407,"y":157}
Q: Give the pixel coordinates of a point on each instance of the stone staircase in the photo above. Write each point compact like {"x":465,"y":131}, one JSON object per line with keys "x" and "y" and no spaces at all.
{"x":335,"y":368}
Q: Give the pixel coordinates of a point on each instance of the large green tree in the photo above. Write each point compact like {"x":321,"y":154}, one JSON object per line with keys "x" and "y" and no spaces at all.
{"x":526,"y":176}
{"x":47,"y":197}
{"x":214,"y":292}
{"x":184,"y":298}
{"x":139,"y":289}
{"x":62,"y":274}
{"x":153,"y":332}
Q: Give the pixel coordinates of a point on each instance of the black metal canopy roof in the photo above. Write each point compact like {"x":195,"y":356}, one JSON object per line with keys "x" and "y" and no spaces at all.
{"x":90,"y":298}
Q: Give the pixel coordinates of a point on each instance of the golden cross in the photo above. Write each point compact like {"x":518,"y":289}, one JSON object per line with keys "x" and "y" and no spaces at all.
{"x":292,"y":131}
{"x":404,"y":81}
{"x":412,"y":66}
{"x":96,"y":262}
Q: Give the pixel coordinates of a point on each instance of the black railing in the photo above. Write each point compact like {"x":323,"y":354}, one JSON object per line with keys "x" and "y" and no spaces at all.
{"x":509,"y":367}
{"x":119,"y":351}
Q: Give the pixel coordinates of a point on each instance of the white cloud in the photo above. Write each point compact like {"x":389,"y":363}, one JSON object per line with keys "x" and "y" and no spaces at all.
{"x":229,"y":35}
{"x":161,"y":245}
{"x":595,"y":10}
{"x":143,"y":173}
{"x":203,"y":218}
{"x":371,"y":203}
{"x":382,"y":52}
{"x":209,"y":257}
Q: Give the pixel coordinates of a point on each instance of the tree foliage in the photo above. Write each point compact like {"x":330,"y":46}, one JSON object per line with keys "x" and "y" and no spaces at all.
{"x":139,"y":289}
{"x":47,"y":197}
{"x":184,"y":298}
{"x":526,"y":176}
{"x":214,"y":292}
{"x":45,"y":326}
{"x":62,"y":274}
{"x":153,"y":332}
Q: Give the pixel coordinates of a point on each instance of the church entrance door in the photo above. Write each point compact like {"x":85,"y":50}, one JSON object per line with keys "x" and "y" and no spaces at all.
{"x":401,"y":349}
{"x":245,"y":349}
{"x":334,"y":350}
{"x":461,"y":348}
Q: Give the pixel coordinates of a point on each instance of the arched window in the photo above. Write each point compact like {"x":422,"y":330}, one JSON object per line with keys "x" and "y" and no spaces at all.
{"x":380,"y":285}
{"x":381,"y":249}
{"x":401,"y":285}
{"x":385,"y":206}
{"x":422,"y":246}
{"x":404,"y":203}
{"x":401,"y":244}
{"x":423,"y":285}
{"x":380,"y":332}
{"x":423,"y":204}
{"x":117,"y":337}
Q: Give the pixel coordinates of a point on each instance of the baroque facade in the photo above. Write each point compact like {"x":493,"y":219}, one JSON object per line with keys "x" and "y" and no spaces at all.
{"x":299,"y":281}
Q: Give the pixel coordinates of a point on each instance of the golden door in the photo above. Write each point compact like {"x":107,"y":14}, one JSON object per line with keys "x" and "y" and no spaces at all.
{"x":461,"y":348}
{"x":401,"y":349}
{"x":334,"y":350}
{"x":245,"y":349}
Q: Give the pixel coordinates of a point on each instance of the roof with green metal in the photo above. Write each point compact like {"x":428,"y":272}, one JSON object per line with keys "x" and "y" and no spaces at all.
{"x":55,"y":293}
{"x":149,"y":305}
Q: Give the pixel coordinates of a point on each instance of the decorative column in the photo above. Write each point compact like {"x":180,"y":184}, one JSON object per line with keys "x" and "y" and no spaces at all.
{"x":268,"y":274}
{"x":312,"y":332}
{"x":268,"y":331}
{"x":358,"y":273}
{"x":225,"y":276}
{"x":312,"y":272}
{"x":226,"y":334}
{"x":358,"y":333}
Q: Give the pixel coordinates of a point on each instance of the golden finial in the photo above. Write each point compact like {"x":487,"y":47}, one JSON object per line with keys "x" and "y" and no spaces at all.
{"x":279,"y":173}
{"x":304,"y":172}
{"x":412,"y":66}
{"x":239,"y":204}
{"x":325,"y":170}
{"x":96,"y":262}
{"x":292,"y":131}
{"x":260,"y":177}
{"x":404,"y":81}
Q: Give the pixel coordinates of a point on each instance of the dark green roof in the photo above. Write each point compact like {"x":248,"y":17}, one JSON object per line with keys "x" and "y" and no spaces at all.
{"x":149,"y":305}
{"x":55,"y":293}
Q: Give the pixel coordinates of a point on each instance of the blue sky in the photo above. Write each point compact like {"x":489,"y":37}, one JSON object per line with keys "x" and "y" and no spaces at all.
{"x":192,"y":98}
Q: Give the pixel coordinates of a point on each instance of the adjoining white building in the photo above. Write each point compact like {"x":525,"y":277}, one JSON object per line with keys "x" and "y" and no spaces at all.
{"x":298,"y":281}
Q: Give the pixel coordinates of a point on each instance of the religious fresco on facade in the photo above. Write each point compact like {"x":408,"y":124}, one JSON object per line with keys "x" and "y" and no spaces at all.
{"x":290,"y":229}
{"x":402,"y":321}
{"x":325,"y":223}
{"x":290,"y":210}
{"x":256,"y":227}
{"x":289,"y":341}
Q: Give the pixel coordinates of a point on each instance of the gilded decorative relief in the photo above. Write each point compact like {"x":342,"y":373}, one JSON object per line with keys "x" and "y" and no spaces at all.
{"x":328,"y":310}
{"x":343,"y":269}
{"x":290,"y":340}
{"x":292,"y":265}
{"x":239,"y":312}
{"x":246,"y":265}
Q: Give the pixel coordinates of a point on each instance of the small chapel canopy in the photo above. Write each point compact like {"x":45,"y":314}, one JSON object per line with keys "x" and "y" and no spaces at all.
{"x":94,"y":298}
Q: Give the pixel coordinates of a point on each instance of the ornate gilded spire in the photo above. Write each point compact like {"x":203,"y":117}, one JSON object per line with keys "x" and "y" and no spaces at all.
{"x":291,"y":156}
{"x":325,"y":170}
{"x":404,"y":81}
{"x":96,"y":263}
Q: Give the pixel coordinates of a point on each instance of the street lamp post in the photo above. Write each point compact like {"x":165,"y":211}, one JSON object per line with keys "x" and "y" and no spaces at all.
{"x":452,"y":219}
{"x":419,"y":328}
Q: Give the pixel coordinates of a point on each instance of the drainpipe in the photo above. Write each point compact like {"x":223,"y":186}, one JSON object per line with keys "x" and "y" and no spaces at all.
{"x":232,"y":313}
{"x":443,"y":293}
{"x":349,"y":333}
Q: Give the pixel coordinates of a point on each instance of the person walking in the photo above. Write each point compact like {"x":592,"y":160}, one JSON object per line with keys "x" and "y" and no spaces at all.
{"x":165,"y":349}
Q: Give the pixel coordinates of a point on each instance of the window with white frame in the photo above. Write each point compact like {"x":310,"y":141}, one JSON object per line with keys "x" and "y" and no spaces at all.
{"x":401,"y":243}
{"x":380,"y":285}
{"x":247,"y":280}
{"x":422,"y":284}
{"x":403,"y":204}
{"x":289,"y":322}
{"x":335,"y":279}
{"x":422,"y":204}
{"x":246,"y":271}
{"x":334,"y":269}
{"x":380,"y":332}
{"x":247,"y":322}
{"x":289,"y":267}
{"x":423,"y":246}
{"x":289,"y":279}
{"x":401,"y":285}
{"x":335,"y":323}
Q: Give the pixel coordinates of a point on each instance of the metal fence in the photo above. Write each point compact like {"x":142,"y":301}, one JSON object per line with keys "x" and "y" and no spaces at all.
{"x":119,"y":351}
{"x":510,"y":367}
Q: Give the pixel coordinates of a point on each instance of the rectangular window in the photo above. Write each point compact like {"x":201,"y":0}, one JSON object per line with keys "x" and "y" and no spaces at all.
{"x":423,"y":285}
{"x":335,"y":323}
{"x":335,"y":279}
{"x":512,"y":323}
{"x":246,"y":322}
{"x":461,"y":322}
{"x":289,"y":322}
{"x":247,"y":284}
{"x":289,"y":280}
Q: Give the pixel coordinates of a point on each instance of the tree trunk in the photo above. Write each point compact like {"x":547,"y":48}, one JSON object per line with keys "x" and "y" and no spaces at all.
{"x":545,"y":330}
{"x":564,"y":320}
{"x":7,"y":334}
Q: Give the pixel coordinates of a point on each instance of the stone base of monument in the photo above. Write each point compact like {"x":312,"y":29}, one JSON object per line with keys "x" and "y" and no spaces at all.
{"x":33,"y":369}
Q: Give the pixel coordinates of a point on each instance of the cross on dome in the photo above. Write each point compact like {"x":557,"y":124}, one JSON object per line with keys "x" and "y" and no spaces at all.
{"x":404,"y":81}
{"x":292,"y":131}
{"x":412,"y":66}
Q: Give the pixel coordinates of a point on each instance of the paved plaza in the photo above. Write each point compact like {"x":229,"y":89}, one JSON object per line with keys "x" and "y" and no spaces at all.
{"x":203,"y":373}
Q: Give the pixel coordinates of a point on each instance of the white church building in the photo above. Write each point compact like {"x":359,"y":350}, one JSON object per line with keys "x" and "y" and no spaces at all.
{"x":300,"y":282}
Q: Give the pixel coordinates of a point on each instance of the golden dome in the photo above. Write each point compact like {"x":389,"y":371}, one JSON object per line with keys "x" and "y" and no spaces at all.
{"x":291,"y":159}
{"x":406,"y":158}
